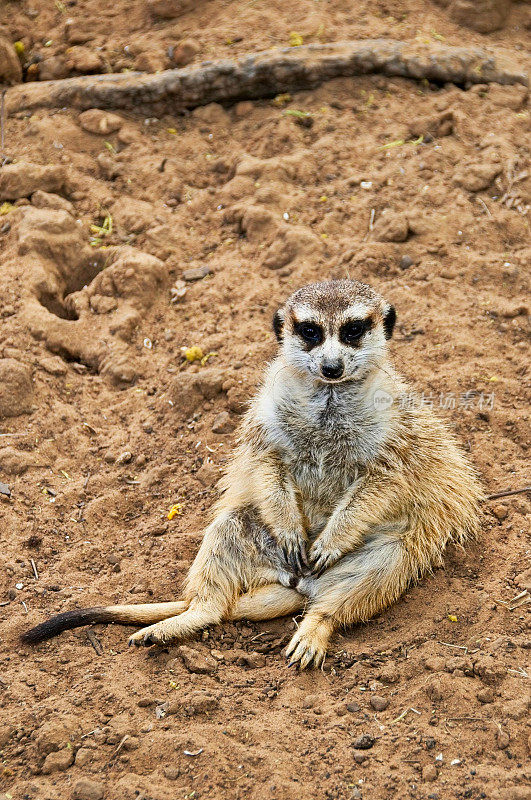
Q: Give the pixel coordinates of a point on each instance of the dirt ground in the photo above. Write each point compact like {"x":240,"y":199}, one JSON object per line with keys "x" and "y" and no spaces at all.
{"x":104,"y":425}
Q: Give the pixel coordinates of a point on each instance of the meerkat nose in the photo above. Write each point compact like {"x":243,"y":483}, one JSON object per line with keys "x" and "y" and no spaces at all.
{"x":332,"y":369}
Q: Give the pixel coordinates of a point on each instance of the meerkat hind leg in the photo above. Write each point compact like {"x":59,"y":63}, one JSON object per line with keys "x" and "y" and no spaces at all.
{"x":268,"y":602}
{"x":182,"y":626}
{"x":264,"y":602}
{"x":355,"y":589}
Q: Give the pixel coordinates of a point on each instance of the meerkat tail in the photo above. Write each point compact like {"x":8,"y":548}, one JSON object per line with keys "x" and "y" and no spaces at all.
{"x":125,"y":615}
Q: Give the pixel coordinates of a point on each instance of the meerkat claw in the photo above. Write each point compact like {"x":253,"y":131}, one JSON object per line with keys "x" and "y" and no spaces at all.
{"x":145,"y":638}
{"x":324,"y":561}
{"x":294,"y":556}
{"x":304,"y":654}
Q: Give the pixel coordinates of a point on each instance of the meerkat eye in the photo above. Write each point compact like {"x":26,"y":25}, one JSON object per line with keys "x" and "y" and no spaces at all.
{"x":352,"y":331}
{"x":310,"y":332}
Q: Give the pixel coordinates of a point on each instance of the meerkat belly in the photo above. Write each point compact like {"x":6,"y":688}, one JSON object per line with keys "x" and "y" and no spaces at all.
{"x":326,"y":444}
{"x":322,"y":474}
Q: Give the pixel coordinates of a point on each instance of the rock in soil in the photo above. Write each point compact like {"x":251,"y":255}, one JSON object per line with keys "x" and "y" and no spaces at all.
{"x":391,"y":227}
{"x":502,"y":739}
{"x":168,"y":9}
{"x":58,"y":761}
{"x":485,"y":695}
{"x":87,"y":789}
{"x":379,"y":703}
{"x":223,"y":423}
{"x":500,"y":511}
{"x":10,"y":67}
{"x":23,"y":179}
{"x":364,"y":742}
{"x":16,"y":388}
{"x":100,"y":122}
{"x":389,"y":674}
{"x":41,"y":199}
{"x":185,"y":52}
{"x":477,"y":176}
{"x":195,"y":661}
{"x":193,"y":704}
{"x":196,"y":273}
{"x":429,"y":773}
{"x":483,"y":16}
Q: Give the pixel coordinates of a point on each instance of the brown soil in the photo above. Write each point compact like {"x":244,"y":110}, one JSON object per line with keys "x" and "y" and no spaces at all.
{"x":105,"y":426}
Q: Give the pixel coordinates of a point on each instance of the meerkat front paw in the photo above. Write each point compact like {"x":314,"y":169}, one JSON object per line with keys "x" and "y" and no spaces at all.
{"x":322,"y":556}
{"x":292,"y":552}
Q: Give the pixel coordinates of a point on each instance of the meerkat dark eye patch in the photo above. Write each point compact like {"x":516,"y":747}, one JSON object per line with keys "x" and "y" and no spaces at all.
{"x":278,"y":324}
{"x":310,"y":332}
{"x":351,"y":332}
{"x":389,"y":321}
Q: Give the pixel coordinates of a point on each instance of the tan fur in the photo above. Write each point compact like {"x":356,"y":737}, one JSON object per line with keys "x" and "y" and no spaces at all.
{"x":331,"y":503}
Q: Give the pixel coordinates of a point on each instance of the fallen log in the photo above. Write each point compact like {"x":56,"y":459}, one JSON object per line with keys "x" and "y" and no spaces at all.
{"x":264,"y":74}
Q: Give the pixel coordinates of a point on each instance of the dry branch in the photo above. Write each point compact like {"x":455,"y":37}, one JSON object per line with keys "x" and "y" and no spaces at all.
{"x":265,"y":74}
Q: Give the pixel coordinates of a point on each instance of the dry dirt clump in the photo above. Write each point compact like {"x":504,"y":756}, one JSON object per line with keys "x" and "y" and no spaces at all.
{"x":142,"y":259}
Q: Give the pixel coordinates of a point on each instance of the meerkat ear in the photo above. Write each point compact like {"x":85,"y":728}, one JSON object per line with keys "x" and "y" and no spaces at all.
{"x":389,"y":321}
{"x":278,"y":324}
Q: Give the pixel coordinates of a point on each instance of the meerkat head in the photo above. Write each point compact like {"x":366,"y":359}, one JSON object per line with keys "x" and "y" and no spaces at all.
{"x":336,"y":330}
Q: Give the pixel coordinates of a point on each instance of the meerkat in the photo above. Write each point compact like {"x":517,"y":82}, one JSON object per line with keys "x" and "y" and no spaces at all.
{"x":339,"y":494}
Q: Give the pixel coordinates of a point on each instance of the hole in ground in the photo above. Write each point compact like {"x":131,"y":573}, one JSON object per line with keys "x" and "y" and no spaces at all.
{"x":81,"y":277}
{"x":56,"y":306}
{"x":71,"y":358}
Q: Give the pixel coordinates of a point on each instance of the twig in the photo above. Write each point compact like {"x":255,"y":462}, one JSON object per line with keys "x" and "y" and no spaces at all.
{"x":521,"y":672}
{"x":265,"y":74}
{"x":525,"y":601}
{"x":120,"y":745}
{"x":95,"y":642}
{"x":508,"y":493}
{"x":403,"y":714}
{"x":485,"y":206}
{"x":2,"y":120}
{"x":457,"y":646}
{"x":519,"y":596}
{"x":34,"y":568}
{"x":371,"y":225}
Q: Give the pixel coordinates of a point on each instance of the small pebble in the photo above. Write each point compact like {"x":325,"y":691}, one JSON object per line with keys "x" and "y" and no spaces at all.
{"x":405,"y":262}
{"x":364,"y":742}
{"x":124,"y":458}
{"x":86,"y":789}
{"x":197,"y":662}
{"x":196,"y":273}
{"x":379,"y":703}
{"x":500,"y":511}
{"x":485,"y":695}
{"x":389,"y":674}
{"x":429,"y":773}
{"x":502,"y":739}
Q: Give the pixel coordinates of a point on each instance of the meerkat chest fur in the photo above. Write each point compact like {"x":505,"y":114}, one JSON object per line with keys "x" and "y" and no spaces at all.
{"x":326,"y":435}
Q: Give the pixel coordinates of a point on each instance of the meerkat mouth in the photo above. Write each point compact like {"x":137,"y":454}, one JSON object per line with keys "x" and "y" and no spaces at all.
{"x":335,"y":381}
